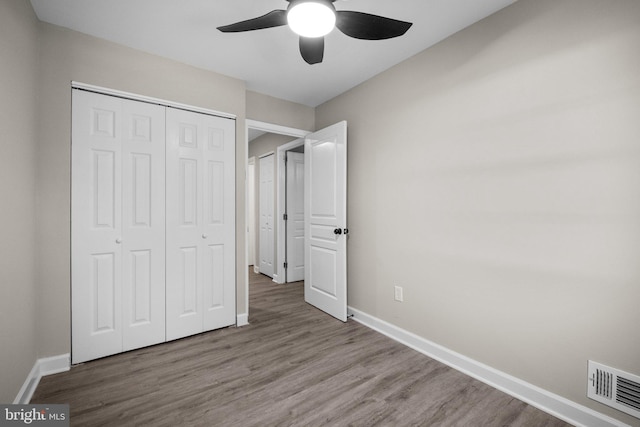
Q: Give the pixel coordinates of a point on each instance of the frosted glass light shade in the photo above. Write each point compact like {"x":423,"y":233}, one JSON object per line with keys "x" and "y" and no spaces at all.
{"x":311,"y":19}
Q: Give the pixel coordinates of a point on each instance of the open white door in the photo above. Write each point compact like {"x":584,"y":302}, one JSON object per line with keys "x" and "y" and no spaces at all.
{"x":295,"y":216}
{"x":325,"y":201}
{"x":267,"y":233}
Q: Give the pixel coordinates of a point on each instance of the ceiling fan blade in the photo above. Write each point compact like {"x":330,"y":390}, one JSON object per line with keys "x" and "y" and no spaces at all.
{"x":275,"y":18}
{"x":312,"y":49}
{"x":365,"y":26}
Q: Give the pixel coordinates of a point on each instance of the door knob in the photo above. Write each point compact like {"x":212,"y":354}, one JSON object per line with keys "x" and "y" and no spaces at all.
{"x":337,"y":231}
{"x":204,"y":236}
{"x":119,"y":240}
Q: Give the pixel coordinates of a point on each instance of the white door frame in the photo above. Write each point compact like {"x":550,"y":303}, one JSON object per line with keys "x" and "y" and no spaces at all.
{"x":250,"y":210}
{"x":281,"y":207}
{"x":243,"y":318}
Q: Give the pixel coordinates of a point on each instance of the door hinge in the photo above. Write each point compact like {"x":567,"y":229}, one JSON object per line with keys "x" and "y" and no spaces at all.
{"x":285,"y":217}
{"x":285,"y":265}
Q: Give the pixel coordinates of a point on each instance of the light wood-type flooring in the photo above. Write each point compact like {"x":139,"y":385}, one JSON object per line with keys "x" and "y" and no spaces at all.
{"x":292,"y":366}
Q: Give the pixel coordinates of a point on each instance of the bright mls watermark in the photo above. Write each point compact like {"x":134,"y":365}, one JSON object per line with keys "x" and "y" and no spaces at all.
{"x":34,"y":415}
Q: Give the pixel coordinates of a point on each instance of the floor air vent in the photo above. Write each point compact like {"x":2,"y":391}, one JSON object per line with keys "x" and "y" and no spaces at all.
{"x":614,"y":388}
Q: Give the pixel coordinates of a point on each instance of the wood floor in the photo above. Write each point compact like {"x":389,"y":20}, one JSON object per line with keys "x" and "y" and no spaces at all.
{"x":292,"y":366}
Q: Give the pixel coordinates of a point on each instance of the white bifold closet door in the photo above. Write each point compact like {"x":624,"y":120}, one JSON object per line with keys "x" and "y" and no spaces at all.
{"x":118,"y":220}
{"x":200,"y":223}
{"x":153,"y":224}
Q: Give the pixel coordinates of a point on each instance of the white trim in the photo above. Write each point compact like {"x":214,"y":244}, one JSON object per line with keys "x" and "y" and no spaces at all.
{"x":250,"y":162}
{"x":149,"y":99}
{"x":281,"y":191}
{"x":242,"y":319}
{"x":42,"y":367}
{"x":544,"y":400}
{"x":271,"y":128}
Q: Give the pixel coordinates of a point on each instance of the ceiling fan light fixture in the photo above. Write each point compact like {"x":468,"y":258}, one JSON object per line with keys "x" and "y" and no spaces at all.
{"x":311,"y":18}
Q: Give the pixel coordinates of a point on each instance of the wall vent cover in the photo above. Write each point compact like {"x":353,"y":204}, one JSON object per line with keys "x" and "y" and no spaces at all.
{"x":614,"y":388}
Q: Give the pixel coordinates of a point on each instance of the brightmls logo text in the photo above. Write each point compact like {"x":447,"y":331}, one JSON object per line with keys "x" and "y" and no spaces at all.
{"x":26,"y":416}
{"x":36,"y":415}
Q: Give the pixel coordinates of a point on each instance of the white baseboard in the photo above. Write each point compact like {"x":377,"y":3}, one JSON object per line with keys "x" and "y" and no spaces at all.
{"x":42,"y":367}
{"x":242,"y":319}
{"x":544,"y":400}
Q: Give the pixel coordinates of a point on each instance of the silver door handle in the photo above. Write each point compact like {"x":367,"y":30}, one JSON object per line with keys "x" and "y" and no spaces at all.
{"x":204,"y":236}
{"x":118,"y":240}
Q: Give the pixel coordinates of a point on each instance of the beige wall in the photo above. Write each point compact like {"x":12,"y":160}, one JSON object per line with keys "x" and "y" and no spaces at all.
{"x":66,"y":56}
{"x":496,"y":177}
{"x":268,"y":143}
{"x":18,"y":139}
{"x":268,"y":109}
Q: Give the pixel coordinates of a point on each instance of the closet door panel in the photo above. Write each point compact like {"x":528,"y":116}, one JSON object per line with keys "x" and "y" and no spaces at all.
{"x":184,"y":247}
{"x":219,"y":222}
{"x":200,"y":223}
{"x":143,"y":223}
{"x":118,"y":221}
{"x":96,"y":266}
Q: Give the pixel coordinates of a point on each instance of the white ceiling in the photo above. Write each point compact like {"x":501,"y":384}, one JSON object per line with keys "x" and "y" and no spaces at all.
{"x":267,"y":60}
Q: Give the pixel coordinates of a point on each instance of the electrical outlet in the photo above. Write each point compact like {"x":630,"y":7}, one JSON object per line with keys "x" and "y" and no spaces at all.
{"x":398,"y":293}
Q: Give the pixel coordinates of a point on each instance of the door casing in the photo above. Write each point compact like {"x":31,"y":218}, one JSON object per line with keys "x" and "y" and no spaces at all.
{"x":281,"y":208}
{"x":243,"y":317}
{"x":251,"y":213}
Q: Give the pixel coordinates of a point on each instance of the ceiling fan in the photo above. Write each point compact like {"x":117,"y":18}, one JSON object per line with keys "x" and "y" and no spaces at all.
{"x":313,"y":19}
